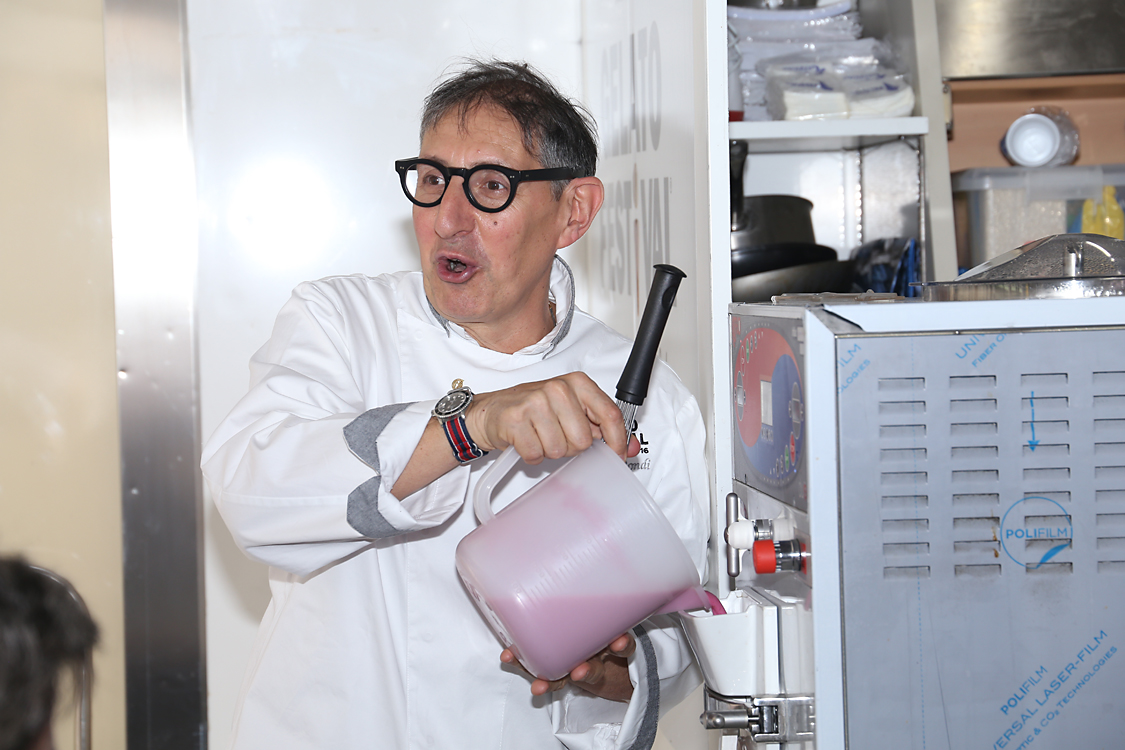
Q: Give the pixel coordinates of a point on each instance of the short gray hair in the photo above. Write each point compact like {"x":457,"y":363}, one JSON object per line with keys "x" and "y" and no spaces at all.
{"x":557,"y":130}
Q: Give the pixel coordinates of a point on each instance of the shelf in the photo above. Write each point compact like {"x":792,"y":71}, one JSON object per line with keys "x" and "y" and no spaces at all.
{"x":983,"y":110}
{"x":824,"y":135}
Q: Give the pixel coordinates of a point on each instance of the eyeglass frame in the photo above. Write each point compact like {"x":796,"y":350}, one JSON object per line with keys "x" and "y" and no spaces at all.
{"x":515,"y":177}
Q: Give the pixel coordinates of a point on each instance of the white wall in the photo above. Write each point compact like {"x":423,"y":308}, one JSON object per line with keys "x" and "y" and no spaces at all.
{"x":60,"y":477}
{"x":299,"y":108}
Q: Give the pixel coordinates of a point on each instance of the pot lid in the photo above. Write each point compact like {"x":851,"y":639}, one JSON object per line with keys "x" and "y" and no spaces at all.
{"x":1062,"y":266}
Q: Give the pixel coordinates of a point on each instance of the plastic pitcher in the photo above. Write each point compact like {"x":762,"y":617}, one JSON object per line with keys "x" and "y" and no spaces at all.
{"x":574,"y":562}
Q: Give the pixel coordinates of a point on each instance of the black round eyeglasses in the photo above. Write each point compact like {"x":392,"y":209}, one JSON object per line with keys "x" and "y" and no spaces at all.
{"x":488,"y":187}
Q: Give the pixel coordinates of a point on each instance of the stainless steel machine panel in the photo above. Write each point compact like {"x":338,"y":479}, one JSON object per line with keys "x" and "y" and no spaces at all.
{"x":982,"y":511}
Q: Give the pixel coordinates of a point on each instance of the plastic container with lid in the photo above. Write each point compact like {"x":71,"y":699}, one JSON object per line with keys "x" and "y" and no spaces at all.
{"x":998,"y":209}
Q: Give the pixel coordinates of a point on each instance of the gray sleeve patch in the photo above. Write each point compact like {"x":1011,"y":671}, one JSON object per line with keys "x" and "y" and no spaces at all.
{"x":361,"y":435}
{"x":646,"y":734}
{"x":363,"y":511}
{"x":362,"y":432}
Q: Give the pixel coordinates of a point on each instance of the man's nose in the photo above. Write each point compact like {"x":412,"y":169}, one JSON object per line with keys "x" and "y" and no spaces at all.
{"x":454,"y":214}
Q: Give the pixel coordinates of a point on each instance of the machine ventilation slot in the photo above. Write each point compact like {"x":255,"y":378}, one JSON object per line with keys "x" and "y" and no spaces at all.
{"x":972,"y":429}
{"x":905,"y":525}
{"x":903,"y":478}
{"x":1105,"y":402}
{"x":1044,"y":380}
{"x":912,"y":549}
{"x":976,"y":476}
{"x":1112,"y":545}
{"x":1049,"y":535}
{"x":905,"y":502}
{"x":1059,"y":496}
{"x":902,"y":384}
{"x":1047,"y":474}
{"x":1047,"y":451}
{"x":1111,"y":520}
{"x":1110,"y":472}
{"x":1046,"y":403}
{"x":976,"y":528}
{"x":974,"y":452}
{"x":1110,"y":378}
{"x":902,"y":431}
{"x":957,"y":382}
{"x":1109,"y":449}
{"x":1046,"y":427}
{"x":906,"y":572}
{"x":1109,"y":496}
{"x":1114,"y":426}
{"x":976,"y":499}
{"x":902,"y":407}
{"x":977,"y":549}
{"x":899,"y":455}
{"x":1051,"y":521}
{"x":1050,"y":569}
{"x":961,"y":405}
{"x":903,"y":456}
{"x":1111,"y":542}
{"x":977,"y":570}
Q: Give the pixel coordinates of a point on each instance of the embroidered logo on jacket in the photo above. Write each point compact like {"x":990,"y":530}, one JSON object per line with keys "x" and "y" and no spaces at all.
{"x":642,"y":461}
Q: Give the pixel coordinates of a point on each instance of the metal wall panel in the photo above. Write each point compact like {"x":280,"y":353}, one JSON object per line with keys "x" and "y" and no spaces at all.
{"x":981,"y":494}
{"x":1016,"y":38}
{"x":154,"y":252}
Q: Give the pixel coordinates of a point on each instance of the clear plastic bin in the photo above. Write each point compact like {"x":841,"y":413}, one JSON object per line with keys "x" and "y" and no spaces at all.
{"x":997,"y":209}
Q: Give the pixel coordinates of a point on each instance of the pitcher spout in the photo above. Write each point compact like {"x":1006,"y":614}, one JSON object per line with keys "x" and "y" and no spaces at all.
{"x":693,"y":598}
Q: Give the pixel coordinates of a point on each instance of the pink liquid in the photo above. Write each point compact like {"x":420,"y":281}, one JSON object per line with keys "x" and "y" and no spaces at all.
{"x":553,"y":636}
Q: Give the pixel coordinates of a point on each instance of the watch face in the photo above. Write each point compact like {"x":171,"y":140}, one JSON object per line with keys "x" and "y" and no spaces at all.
{"x":452,"y":403}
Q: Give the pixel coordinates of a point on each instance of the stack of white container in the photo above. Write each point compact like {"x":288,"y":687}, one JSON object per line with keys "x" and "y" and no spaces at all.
{"x":811,"y":63}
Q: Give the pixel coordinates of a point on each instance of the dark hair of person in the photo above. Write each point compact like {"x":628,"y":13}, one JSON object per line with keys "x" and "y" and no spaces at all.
{"x":44,"y":629}
{"x":557,"y":130}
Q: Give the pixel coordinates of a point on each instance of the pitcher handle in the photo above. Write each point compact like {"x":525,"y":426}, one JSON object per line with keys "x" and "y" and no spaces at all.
{"x":482,"y":496}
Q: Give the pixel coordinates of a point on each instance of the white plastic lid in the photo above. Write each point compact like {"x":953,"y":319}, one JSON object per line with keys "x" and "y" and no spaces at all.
{"x":1032,"y":140}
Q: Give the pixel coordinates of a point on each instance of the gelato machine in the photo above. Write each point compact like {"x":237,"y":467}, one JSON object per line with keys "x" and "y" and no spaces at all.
{"x":926,"y":532}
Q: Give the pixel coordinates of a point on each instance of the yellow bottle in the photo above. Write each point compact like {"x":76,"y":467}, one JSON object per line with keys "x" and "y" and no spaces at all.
{"x":1104,"y":217}
{"x":1114,"y":225}
{"x":1090,"y":217}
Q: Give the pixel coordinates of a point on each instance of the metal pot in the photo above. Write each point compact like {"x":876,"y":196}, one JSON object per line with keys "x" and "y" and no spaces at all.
{"x":778,"y":233}
{"x":826,"y":276}
{"x":1062,"y":266}
{"x":774,"y":220}
{"x":769,"y":231}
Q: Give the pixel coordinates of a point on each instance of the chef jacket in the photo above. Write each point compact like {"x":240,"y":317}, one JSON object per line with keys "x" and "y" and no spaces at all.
{"x":370,"y":639}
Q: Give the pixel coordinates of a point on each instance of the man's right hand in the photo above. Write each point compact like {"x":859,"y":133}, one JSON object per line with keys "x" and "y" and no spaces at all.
{"x":552,"y":418}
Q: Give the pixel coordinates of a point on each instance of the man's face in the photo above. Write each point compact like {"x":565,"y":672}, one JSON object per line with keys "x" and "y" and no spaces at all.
{"x":489,"y":272}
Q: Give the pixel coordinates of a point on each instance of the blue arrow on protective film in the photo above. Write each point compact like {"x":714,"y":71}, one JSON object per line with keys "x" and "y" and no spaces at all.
{"x":1033,"y":442}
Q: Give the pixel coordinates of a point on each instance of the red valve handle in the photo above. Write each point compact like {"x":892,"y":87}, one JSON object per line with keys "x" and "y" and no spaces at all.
{"x":765,"y":556}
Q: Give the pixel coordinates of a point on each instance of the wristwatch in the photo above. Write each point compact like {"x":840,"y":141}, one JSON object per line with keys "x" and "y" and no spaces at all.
{"x":450,"y":412}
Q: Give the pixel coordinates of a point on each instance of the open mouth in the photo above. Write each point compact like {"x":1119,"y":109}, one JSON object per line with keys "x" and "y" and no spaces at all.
{"x":454,"y":270}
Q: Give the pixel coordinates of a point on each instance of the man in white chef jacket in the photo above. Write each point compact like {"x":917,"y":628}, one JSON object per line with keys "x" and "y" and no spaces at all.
{"x":347,"y":465}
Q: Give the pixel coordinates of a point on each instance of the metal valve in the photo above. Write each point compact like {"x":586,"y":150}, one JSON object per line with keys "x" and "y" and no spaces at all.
{"x":771,"y":540}
{"x":770,"y":556}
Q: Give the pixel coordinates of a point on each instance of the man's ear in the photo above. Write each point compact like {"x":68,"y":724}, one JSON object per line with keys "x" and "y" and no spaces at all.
{"x":583,"y":199}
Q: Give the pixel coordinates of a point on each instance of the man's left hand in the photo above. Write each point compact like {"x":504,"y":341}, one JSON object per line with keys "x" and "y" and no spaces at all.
{"x":606,"y":674}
